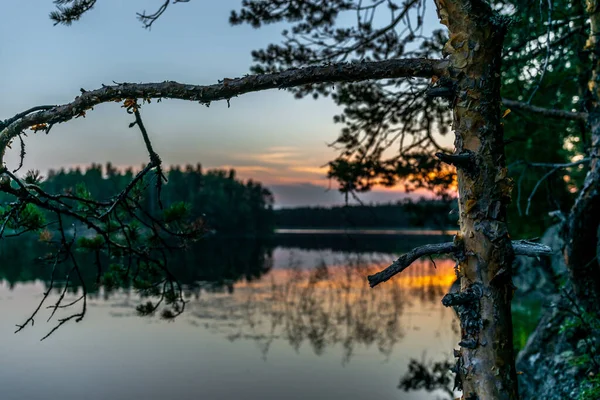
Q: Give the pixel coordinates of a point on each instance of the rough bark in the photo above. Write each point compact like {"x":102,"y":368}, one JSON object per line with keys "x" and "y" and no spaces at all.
{"x":584,"y":220}
{"x":486,"y":358}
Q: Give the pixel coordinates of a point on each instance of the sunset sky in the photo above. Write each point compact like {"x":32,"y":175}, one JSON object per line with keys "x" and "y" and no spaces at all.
{"x":268,"y":136}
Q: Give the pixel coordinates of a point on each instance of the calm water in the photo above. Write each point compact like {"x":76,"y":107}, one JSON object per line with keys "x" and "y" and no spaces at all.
{"x":298,"y":322}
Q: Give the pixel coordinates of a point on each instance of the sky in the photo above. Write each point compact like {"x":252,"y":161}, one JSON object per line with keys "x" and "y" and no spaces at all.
{"x":268,"y":136}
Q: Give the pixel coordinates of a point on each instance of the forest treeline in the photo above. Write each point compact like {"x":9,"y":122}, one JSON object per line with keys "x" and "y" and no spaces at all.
{"x":231,"y":206}
{"x":226,"y":204}
{"x":407,"y":213}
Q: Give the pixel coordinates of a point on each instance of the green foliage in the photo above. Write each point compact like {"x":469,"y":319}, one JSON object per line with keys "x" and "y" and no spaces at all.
{"x":526,"y":316}
{"x":115,"y":277}
{"x":93,"y":243}
{"x":217,"y":198}
{"x":381,"y":119}
{"x":563,"y":82}
{"x":584,"y":328}
{"x":146,"y":309}
{"x":29,"y":217}
{"x":134,"y":231}
{"x":592,"y":389}
{"x":33,"y":177}
{"x":176,"y":212}
{"x":82,"y":191}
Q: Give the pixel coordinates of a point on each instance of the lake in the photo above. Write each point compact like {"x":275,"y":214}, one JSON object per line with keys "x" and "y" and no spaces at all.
{"x":291,"y":317}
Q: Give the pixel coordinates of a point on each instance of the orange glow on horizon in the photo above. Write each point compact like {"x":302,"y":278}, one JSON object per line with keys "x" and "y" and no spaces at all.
{"x":420,"y":274}
{"x":285,"y":175}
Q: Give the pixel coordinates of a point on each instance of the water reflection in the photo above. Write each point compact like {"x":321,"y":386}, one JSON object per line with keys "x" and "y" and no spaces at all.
{"x":301,"y":311}
{"x":323,"y":305}
{"x":330,"y":304}
{"x":219,"y":262}
{"x":430,"y":376}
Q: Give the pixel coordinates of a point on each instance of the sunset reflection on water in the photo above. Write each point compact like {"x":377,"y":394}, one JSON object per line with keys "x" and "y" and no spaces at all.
{"x":332,"y":304}
{"x":309,"y":328}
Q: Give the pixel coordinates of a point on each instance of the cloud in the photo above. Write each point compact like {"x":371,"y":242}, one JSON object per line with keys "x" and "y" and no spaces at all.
{"x":276,"y":155}
{"x":244,"y":169}
{"x":311,"y":170}
{"x":280,"y":165}
{"x":280,"y":158}
{"x":282,"y":149}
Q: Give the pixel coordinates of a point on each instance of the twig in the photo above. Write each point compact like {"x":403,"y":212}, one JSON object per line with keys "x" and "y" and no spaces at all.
{"x":149,"y":19}
{"x":519,"y":184}
{"x":20,"y":115}
{"x":548,"y":48}
{"x":6,"y":220}
{"x":546,"y":112}
{"x":555,"y":167}
{"x":125,"y":192}
{"x":154,"y":158}
{"x":46,"y":293}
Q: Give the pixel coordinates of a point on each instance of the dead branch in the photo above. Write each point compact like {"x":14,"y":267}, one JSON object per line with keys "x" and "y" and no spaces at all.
{"x":554,"y":168}
{"x":546,"y":112}
{"x":224,"y":90}
{"x":149,"y":19}
{"x":465,"y":161}
{"x":406,"y":259}
{"x":521,"y":248}
{"x":530,"y":249}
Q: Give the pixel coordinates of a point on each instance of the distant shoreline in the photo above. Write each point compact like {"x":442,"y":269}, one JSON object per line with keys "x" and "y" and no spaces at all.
{"x":365,"y":231}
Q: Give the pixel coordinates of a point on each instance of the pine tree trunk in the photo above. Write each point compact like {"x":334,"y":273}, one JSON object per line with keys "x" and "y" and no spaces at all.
{"x":486,"y":358}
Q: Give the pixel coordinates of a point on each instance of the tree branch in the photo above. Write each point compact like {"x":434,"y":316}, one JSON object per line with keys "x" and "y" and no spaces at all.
{"x":521,"y":248}
{"x":406,"y":259}
{"x":546,"y":112}
{"x":224,"y":90}
{"x":465,"y":160}
{"x":530,"y":249}
{"x":555,"y":167}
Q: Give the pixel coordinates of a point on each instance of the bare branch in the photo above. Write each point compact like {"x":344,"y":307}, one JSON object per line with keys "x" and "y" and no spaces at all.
{"x":555,"y":167}
{"x":406,"y":259}
{"x":20,"y":327}
{"x":521,"y":248}
{"x":149,"y":19}
{"x":530,"y":249}
{"x":546,"y":112}
{"x":465,"y":160}
{"x":548,"y":47}
{"x":228,"y":88}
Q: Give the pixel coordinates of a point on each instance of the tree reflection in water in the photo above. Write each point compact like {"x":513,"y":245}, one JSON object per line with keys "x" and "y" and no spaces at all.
{"x":327,"y":305}
{"x":236,"y":289}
